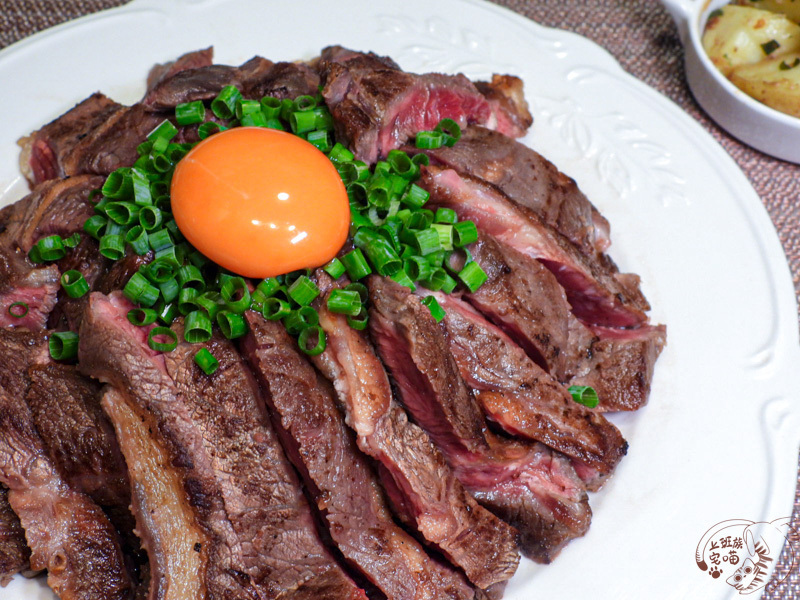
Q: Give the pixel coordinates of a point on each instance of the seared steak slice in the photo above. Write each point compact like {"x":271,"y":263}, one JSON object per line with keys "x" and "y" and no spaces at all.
{"x":14,"y":552}
{"x":95,"y":143}
{"x":377,"y":107}
{"x":617,"y":363}
{"x":256,"y":78}
{"x":530,"y":486}
{"x":190,"y":60}
{"x":86,"y":258}
{"x":56,"y":207}
{"x":422,"y":487}
{"x":340,"y":54}
{"x":77,"y":435}
{"x":44,"y":149}
{"x":524,"y":299}
{"x":597,"y":292}
{"x":201,"y":454}
{"x":529,"y":179}
{"x":506,"y":96}
{"x":21,"y":281}
{"x":69,"y":535}
{"x":346,"y":490}
{"x":523,"y":399}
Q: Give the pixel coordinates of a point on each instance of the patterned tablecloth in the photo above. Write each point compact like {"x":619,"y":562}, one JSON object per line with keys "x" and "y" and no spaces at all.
{"x":640,"y":34}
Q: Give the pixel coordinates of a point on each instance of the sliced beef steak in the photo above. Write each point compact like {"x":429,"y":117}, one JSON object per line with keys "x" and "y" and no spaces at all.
{"x":523,"y":399}
{"x":43,"y":150}
{"x":343,"y":484}
{"x":377,"y":107}
{"x":56,"y":207}
{"x":255,"y":79}
{"x":422,"y":487}
{"x":506,"y":97}
{"x":190,"y":60}
{"x":14,"y":552}
{"x":597,"y":292}
{"x":529,"y":485}
{"x":69,"y":535}
{"x":529,"y":179}
{"x":201,"y":454}
{"x":27,"y":292}
{"x":525,"y":300}
{"x":97,"y":143}
{"x":618,"y":364}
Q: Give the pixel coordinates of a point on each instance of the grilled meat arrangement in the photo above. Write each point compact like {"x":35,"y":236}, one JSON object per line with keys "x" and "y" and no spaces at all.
{"x":413,"y":460}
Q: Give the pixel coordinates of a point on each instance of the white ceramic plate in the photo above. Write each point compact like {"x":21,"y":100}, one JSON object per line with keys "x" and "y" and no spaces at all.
{"x":720,"y":436}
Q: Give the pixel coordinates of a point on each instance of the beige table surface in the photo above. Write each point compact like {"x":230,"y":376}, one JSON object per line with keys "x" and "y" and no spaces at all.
{"x":641,"y":36}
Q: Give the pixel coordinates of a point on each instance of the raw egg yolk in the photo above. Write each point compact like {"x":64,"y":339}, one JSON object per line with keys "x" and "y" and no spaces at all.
{"x":260,"y":202}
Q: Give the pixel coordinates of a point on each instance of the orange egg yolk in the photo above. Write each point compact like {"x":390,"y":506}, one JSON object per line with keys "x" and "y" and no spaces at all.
{"x":260,"y":202}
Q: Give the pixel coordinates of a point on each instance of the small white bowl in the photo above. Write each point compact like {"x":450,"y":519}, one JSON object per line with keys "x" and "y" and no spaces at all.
{"x":755,"y":124}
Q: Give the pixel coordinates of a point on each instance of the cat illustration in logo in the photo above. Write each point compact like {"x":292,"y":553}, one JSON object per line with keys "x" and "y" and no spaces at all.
{"x":762,"y":544}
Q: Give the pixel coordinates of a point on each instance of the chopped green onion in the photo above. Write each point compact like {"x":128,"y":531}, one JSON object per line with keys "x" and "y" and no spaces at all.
{"x":304,"y":103}
{"x":472,"y":275}
{"x":197,"y":327}
{"x":340,"y":154}
{"x":361,"y":289}
{"x":436,"y":279}
{"x":159,"y":333}
{"x":72,"y":241}
{"x":271,"y":107}
{"x":167,"y":312}
{"x":18,"y":309}
{"x":224,"y":105}
{"x":139,"y":291}
{"x":190,"y":113}
{"x":445,"y":235}
{"x":211,"y":302}
{"x":190,"y":276}
{"x":417,"y":268}
{"x":334,"y":268}
{"x":123,"y":213}
{"x":302,"y":122}
{"x":206,"y":361}
{"x":141,"y":188}
{"x":74,"y":283}
{"x":360,"y":321}
{"x":161,"y":135}
{"x":142,"y":316}
{"x":449,"y":284}
{"x":268,"y":287}
{"x":275,"y":309}
{"x":450,"y":130}
{"x":379,"y":251}
{"x":232,"y":325}
{"x":303,"y":291}
{"x":445,"y":215}
{"x":169,"y":289}
{"x":402,"y":164}
{"x":320,"y":139}
{"x":160,"y":270}
{"x":583,"y":394}
{"x":51,"y":248}
{"x":112,"y":246}
{"x":117,"y":185}
{"x":344,"y":302}
{"x":159,"y":240}
{"x":403,"y":279}
{"x":187,"y":300}
{"x":254,"y":119}
{"x":464,"y":233}
{"x":312,"y":340}
{"x":150,"y":218}
{"x":415,"y":196}
{"x":356,"y":265}
{"x":436,"y":309}
{"x":429,"y":140}
{"x":247,"y":107}
{"x":94,"y":225}
{"x":63,"y":345}
{"x":137,"y":238}
{"x":299,"y":319}
{"x":770,"y":47}
{"x":209,"y":128}
{"x":236,"y":295}
{"x":421,"y":159}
